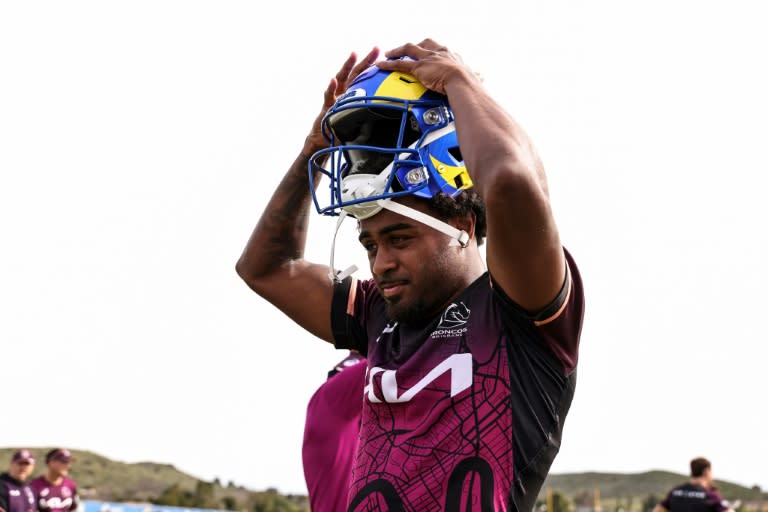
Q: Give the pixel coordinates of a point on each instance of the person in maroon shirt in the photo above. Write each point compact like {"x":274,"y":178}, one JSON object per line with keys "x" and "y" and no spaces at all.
{"x":15,"y":495}
{"x":54,"y":490}
{"x":471,"y":357}
{"x":699,"y":494}
{"x":331,"y":431}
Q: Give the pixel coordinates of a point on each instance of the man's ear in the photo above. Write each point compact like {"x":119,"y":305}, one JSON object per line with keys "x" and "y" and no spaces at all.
{"x":466,"y":223}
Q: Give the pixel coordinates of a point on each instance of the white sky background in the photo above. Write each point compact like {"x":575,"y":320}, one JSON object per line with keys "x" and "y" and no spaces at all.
{"x":140,"y":141}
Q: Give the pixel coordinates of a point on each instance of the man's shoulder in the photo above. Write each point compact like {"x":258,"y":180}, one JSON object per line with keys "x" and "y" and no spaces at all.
{"x":689,"y":490}
{"x":38,"y":483}
{"x":689,"y":486}
{"x":4,"y":483}
{"x":6,"y":477}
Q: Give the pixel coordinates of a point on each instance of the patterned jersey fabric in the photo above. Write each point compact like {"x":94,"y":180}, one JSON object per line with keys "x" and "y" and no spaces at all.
{"x":464,"y":411}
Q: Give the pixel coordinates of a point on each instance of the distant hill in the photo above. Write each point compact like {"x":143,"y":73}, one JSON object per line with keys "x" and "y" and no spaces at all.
{"x":100,"y":478}
{"x":103,"y":479}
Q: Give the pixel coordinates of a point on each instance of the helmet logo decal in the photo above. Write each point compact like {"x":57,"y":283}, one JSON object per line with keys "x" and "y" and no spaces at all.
{"x":457,"y":176}
{"x":352,"y":94}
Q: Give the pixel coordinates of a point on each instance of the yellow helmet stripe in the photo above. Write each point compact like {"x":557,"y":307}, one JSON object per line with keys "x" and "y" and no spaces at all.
{"x":401,"y":85}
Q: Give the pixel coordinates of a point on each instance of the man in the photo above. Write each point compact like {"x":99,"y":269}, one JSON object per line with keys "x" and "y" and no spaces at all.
{"x":697,"y":495}
{"x":15,"y":495}
{"x":331,"y":432}
{"x":471,"y":372}
{"x":54,"y":490}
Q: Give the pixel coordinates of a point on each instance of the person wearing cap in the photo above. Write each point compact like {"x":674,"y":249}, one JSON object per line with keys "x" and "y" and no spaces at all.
{"x":54,"y":490}
{"x":15,"y":495}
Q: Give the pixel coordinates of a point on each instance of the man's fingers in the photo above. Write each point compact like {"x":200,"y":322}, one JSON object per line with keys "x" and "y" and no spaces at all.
{"x":364,"y":64}
{"x":432,"y":45}
{"x":404,"y":66}
{"x":329,"y":97}
{"x":343,"y":75}
{"x":417,"y":51}
{"x":411,"y":50}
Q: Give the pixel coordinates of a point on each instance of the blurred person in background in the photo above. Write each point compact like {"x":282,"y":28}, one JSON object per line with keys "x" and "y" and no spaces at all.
{"x":699,"y":494}
{"x":331,"y":433}
{"x":15,"y":495}
{"x":54,"y":490}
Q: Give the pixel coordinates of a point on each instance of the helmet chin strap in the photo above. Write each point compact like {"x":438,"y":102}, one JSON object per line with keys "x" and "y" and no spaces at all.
{"x":338,"y":276}
{"x":458,"y":236}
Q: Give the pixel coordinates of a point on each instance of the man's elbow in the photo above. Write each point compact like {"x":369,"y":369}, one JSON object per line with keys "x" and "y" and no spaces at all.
{"x":241,"y":269}
{"x":248,"y":274}
{"x":265,"y":280}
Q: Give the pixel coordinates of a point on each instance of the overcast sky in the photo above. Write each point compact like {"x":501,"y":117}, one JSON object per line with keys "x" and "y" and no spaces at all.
{"x":140,"y":141}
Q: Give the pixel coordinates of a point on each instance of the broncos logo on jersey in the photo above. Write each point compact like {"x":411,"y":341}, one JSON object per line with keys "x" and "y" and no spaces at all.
{"x":454,"y":316}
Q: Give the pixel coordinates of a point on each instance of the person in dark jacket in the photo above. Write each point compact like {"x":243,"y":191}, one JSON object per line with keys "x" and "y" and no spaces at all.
{"x":15,"y":495}
{"x":699,"y":494}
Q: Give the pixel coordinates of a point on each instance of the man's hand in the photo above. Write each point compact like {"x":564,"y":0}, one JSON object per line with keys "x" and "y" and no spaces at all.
{"x":338,"y":84}
{"x":431,"y":63}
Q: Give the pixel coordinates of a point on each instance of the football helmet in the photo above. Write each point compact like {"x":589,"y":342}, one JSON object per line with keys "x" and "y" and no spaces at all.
{"x":389,"y":136}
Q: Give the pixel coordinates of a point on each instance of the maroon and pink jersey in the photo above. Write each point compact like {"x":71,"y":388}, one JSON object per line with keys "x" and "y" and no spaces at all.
{"x":465,"y":411}
{"x":330,"y":435}
{"x":55,"y":498}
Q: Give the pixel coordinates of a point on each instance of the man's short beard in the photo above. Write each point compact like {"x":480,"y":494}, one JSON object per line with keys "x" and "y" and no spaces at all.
{"x":408,"y":313}
{"x":429,"y":302}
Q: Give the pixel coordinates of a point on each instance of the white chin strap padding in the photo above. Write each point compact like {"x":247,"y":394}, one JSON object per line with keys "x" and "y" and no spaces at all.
{"x":339,"y":275}
{"x":361,"y":186}
{"x":458,"y":236}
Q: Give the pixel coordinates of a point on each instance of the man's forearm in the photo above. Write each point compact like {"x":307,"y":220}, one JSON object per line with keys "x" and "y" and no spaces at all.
{"x":493,"y":144}
{"x":280,"y":235}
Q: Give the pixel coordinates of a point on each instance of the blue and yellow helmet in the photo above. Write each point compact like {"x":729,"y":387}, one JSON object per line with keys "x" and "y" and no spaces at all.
{"x":389,"y":136}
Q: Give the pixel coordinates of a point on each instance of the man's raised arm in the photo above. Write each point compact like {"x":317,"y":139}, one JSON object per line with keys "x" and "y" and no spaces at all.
{"x":272,"y":263}
{"x":523,"y":253}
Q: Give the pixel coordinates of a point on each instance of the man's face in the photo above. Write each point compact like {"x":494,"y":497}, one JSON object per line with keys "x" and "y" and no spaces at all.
{"x":20,"y":470}
{"x":58,"y":467}
{"x":415,"y":269}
